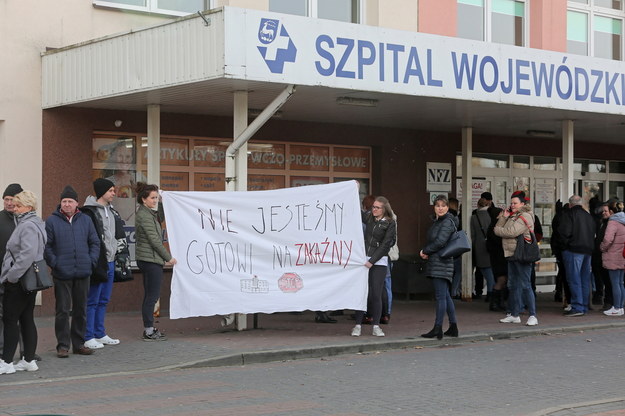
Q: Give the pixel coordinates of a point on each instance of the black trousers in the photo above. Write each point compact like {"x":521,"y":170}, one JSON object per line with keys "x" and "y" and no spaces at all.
{"x":152,"y":279}
{"x":18,"y":307}
{"x":377,"y":274}
{"x":71,"y":297}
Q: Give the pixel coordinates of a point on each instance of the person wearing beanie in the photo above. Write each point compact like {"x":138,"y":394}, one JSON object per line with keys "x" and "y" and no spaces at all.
{"x":72,"y":252}
{"x":7,"y":225}
{"x":109,"y":228}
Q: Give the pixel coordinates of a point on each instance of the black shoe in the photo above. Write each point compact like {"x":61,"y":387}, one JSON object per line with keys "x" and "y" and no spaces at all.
{"x":154,"y":336}
{"x":384,"y":319}
{"x":452,"y":331}
{"x":336,"y":313}
{"x":323,"y":318}
{"x":573,"y":312}
{"x":437,"y":332}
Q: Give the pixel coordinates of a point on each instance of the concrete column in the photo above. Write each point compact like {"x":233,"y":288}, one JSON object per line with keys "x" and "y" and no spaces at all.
{"x":239,"y":168}
{"x":467,"y":176}
{"x":154,"y":144}
{"x":567,"y":161}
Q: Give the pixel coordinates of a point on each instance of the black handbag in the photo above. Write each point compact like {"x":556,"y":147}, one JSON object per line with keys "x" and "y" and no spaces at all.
{"x":526,"y":251}
{"x":37,"y":277}
{"x":457,"y":244}
{"x":123,"y":273}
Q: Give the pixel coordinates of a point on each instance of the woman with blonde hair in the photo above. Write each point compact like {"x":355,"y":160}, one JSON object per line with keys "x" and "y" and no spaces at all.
{"x":25,"y":246}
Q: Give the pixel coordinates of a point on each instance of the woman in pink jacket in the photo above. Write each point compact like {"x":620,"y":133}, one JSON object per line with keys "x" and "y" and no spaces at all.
{"x":612,"y":255}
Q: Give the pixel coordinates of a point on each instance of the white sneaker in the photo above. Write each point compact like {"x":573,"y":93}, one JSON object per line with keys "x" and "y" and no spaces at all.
{"x":568,"y":308}
{"x":356,"y":331}
{"x":532,"y":321}
{"x":612,"y":312}
{"x":377,"y":332}
{"x":621,"y":312}
{"x":106,"y":340}
{"x":93,"y":344}
{"x":510,"y":320}
{"x":23,"y":365}
{"x":6,"y":368}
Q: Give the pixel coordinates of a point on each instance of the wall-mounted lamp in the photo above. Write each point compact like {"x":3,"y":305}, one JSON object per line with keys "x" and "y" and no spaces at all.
{"x":546,"y":134}
{"x":360,"y":102}
{"x":118,"y":123}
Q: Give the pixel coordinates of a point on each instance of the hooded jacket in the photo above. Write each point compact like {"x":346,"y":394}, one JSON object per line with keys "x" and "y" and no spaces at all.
{"x":25,"y":246}
{"x":437,"y":238}
{"x":512,"y":227}
{"x":73,"y":247}
{"x":109,"y":227}
{"x":613,"y":243}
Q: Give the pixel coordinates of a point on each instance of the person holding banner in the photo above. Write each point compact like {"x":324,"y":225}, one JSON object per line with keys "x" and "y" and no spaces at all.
{"x":380,"y":236}
{"x":151,"y":255}
{"x":439,"y":269}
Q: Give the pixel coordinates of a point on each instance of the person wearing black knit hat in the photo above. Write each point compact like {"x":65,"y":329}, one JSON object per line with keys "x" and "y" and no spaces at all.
{"x":109,"y":227}
{"x":72,"y":252}
{"x":7,"y":225}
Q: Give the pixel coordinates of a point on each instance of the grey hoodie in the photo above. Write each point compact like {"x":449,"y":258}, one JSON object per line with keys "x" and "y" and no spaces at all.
{"x":108,"y":226}
{"x":24,"y":247}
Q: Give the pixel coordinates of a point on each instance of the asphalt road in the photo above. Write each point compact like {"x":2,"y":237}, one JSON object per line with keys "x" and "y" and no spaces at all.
{"x":571,"y":374}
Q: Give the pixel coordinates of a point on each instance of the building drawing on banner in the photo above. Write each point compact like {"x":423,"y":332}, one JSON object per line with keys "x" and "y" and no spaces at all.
{"x":254,"y":285}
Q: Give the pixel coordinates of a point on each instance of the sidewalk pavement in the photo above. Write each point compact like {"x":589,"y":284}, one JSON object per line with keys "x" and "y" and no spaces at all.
{"x":286,"y":336}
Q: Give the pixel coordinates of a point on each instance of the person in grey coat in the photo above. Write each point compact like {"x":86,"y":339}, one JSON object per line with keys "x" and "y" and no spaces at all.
{"x":25,"y":246}
{"x":439,"y":269}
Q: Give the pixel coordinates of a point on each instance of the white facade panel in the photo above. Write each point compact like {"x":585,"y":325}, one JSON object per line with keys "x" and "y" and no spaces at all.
{"x":303,"y":51}
{"x":183,"y":52}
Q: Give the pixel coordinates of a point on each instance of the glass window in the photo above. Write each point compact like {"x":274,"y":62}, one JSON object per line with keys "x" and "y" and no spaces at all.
{"x":617,"y":189}
{"x":521,"y":162}
{"x":577,"y":33}
{"x":142,"y":3}
{"x":591,"y":166}
{"x":607,"y":39}
{"x":190,"y":6}
{"x":544,"y":163}
{"x":471,"y":19}
{"x":617,"y":167}
{"x":490,"y":161}
{"x":341,"y":10}
{"x":507,"y":22}
{"x":298,"y":7}
{"x":610,"y":4}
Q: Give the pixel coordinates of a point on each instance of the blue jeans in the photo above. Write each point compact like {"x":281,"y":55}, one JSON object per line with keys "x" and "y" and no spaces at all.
{"x":97,"y":300}
{"x":578,"y":276}
{"x":520,"y":287}
{"x":487,"y":272}
{"x":618,"y":291}
{"x":389,"y":289}
{"x":444,"y":302}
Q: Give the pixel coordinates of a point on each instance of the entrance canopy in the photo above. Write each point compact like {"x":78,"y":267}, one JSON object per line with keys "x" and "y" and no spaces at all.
{"x":345,"y":73}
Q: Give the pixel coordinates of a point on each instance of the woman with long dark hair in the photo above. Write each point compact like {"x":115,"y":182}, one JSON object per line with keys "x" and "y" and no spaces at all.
{"x":151,"y":255}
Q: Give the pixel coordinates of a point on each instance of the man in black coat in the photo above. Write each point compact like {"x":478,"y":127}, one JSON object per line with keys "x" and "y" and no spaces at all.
{"x":577,"y":233}
{"x":7,"y":225}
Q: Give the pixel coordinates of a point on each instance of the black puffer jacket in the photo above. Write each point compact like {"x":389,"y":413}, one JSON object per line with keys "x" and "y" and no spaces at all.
{"x":380,"y":236}
{"x":577,"y":230}
{"x":438,"y":235}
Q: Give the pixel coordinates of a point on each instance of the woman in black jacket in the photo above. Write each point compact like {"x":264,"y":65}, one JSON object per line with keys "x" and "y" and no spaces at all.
{"x":439,"y":269}
{"x":380,"y":236}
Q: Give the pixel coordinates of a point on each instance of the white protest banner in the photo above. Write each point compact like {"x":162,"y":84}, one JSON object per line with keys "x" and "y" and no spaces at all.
{"x":266,"y":251}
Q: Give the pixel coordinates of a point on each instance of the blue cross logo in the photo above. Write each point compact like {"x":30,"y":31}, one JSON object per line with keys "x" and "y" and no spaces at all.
{"x":277,"y":46}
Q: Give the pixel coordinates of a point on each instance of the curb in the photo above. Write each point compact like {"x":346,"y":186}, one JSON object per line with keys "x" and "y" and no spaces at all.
{"x":267,"y":356}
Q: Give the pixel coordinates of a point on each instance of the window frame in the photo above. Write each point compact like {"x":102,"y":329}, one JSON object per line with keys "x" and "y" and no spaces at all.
{"x":488,"y":29}
{"x":151,"y":7}
{"x":591,"y":11}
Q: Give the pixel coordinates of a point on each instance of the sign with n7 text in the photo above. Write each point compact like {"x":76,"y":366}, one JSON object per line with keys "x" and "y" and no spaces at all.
{"x":266,"y":251}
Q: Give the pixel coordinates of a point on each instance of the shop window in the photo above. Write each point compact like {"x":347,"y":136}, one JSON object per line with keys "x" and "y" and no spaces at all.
{"x":544,"y":163}
{"x":617,"y":167}
{"x":340,"y":10}
{"x":499,"y":21}
{"x":168,"y":7}
{"x":521,"y":162}
{"x":589,"y":166}
{"x":490,"y":161}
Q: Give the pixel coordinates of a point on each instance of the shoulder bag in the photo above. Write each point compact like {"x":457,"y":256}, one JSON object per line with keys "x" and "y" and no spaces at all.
{"x":526,"y":251}
{"x":393,"y":253}
{"x":37,"y":277}
{"x":457,"y":244}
